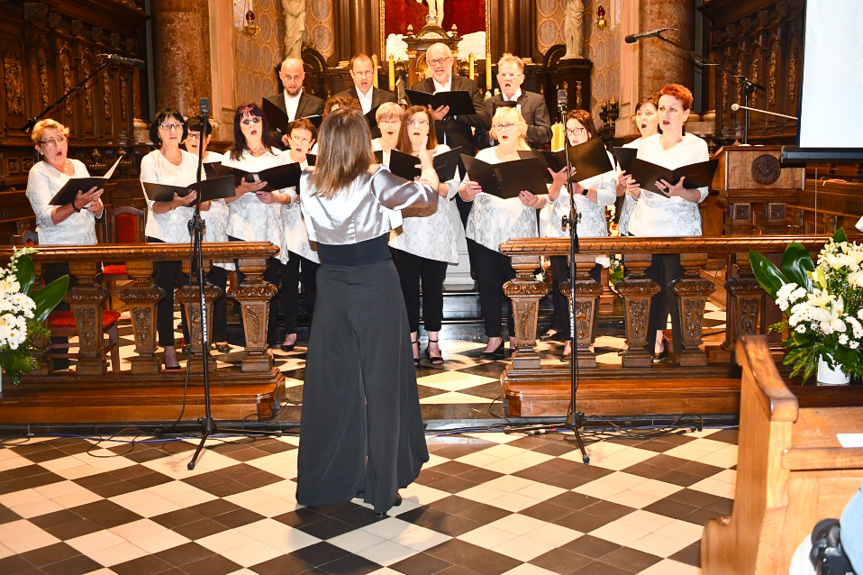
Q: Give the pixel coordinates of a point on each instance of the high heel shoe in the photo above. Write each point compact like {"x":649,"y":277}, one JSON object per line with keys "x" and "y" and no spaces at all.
{"x":496,"y":353}
{"x":433,"y":359}
{"x":398,"y":502}
{"x":415,"y":342}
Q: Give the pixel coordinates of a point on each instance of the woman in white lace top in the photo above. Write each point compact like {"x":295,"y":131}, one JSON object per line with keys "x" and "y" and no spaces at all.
{"x":674,"y":215}
{"x":592,"y":196}
{"x":647,"y":120}
{"x":493,"y":220}
{"x":425,"y":244}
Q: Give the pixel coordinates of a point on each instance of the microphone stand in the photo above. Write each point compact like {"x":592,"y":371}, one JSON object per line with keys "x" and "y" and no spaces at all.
{"x":574,"y":418}
{"x":748,"y":85}
{"x":28,"y":127}
{"x":196,"y":227}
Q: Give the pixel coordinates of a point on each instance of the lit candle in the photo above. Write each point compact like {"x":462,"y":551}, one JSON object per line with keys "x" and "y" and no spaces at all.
{"x":488,"y":71}
{"x":392,"y":70}
{"x":472,"y":60}
{"x":375,"y":72}
{"x":250,"y":5}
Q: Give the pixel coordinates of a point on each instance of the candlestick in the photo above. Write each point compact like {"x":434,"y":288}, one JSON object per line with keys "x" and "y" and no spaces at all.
{"x":472,"y":60}
{"x":375,"y":70}
{"x":392,"y":70}
{"x":488,"y":71}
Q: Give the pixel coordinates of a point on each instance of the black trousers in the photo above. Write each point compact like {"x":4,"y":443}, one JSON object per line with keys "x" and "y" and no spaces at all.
{"x":664,"y":269}
{"x":493,"y":269}
{"x":412,"y":270}
{"x":168,"y":276}
{"x":271,"y":275}
{"x":361,"y":431}
{"x":296,"y":270}
{"x":559,"y":274}
{"x":219,"y":278}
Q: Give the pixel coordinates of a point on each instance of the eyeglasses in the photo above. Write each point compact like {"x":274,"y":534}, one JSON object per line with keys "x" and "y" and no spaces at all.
{"x":250,"y":121}
{"x":169,"y":127}
{"x":391,"y":122}
{"x":193,"y":136}
{"x":301,"y":139}
{"x":51,"y":142}
{"x":575,"y":131}
{"x":418,"y":123}
{"x":507,"y":126}
{"x":439,"y":61}
{"x":364,"y":74}
{"x":509,"y":76}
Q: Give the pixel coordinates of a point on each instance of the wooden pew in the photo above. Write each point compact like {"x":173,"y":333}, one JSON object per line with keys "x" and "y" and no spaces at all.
{"x":791,"y":471}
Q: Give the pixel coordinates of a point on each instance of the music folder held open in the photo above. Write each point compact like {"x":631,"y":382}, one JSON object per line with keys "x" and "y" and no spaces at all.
{"x":698,"y":175}
{"x":66,"y":194}
{"x":507,"y":179}
{"x":589,"y":159}
{"x":459,"y":101}
{"x":405,"y":165}
{"x":210,"y":189}
{"x":278,"y":177}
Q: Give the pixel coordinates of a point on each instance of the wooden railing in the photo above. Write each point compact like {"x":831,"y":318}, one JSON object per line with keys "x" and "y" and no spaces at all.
{"x":87,"y":299}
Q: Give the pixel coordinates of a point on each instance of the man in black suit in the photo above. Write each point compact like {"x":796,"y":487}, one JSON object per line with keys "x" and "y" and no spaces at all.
{"x":369,"y":97}
{"x":454,"y":131}
{"x":510,"y":76}
{"x":294,"y":100}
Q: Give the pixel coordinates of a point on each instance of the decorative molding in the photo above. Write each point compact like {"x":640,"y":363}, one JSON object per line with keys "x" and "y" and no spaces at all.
{"x":13,"y":79}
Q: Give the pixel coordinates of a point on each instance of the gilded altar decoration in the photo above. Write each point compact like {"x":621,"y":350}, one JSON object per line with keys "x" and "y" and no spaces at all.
{"x":106,"y":95}
{"x":43,"y":79}
{"x":67,"y":76}
{"x":124,"y":94}
{"x":773,"y":71}
{"x":13,"y":78}
{"x":88,"y":90}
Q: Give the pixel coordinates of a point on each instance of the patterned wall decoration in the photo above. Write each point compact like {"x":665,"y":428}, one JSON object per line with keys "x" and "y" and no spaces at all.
{"x":319,"y":26}
{"x":256,"y":57}
{"x":603,"y":48}
{"x":549,"y":24}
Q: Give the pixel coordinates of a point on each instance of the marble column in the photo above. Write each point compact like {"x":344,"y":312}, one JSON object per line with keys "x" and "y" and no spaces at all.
{"x":507,"y":29}
{"x":361,"y":28}
{"x":661,"y":63}
{"x":181,"y":50}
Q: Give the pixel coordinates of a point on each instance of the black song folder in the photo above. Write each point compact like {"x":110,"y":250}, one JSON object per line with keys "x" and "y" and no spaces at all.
{"x":696,"y":175}
{"x":507,"y":179}
{"x":278,"y":177}
{"x":624,"y":157}
{"x":210,"y":189}
{"x":459,"y":101}
{"x":66,"y":194}
{"x":404,"y":165}
{"x":589,"y":159}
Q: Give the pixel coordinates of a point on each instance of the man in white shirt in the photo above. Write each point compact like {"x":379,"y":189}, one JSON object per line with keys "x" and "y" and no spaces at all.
{"x":510,"y":76}
{"x":363,"y":73}
{"x":294,"y":101}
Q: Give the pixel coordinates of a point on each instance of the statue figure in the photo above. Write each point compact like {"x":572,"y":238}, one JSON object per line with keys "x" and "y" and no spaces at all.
{"x":295,"y":27}
{"x":572,"y":28}
{"x":435,"y":11}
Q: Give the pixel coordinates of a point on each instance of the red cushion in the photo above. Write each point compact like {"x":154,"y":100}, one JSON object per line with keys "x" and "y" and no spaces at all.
{"x":67,"y":319}
{"x":114,"y":269}
{"x":126,"y":228}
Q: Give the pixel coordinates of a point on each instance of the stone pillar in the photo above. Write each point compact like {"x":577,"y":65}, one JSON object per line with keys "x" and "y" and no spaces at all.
{"x":507,"y":30}
{"x":181,"y":53}
{"x":361,"y":28}
{"x":661,"y":63}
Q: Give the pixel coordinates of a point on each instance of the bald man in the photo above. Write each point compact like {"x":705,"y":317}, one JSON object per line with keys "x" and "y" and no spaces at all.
{"x":294,"y":100}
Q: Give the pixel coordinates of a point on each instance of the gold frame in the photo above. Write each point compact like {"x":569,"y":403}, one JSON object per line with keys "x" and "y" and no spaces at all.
{"x":382,"y":10}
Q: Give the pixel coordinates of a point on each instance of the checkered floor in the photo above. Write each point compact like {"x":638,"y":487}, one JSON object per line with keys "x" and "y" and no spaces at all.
{"x":486,"y":503}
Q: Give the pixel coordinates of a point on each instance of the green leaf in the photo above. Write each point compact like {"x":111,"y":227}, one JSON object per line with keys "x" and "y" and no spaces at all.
{"x":769,"y":276}
{"x":14,"y":361}
{"x":49,"y":297}
{"x":840,"y":236}
{"x":796,"y":261}
{"x":25,"y":273}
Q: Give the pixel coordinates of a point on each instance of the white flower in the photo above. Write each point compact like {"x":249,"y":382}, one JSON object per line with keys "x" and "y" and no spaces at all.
{"x":800,"y":328}
{"x":843,"y":339}
{"x":853,"y":344}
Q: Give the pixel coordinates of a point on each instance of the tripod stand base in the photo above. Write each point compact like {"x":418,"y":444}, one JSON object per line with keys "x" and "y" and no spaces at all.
{"x":208,"y":427}
{"x":574,"y":421}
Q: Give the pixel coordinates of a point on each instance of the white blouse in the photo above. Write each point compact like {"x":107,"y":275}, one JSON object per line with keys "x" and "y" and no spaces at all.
{"x":493,"y":220}
{"x":295,"y":237}
{"x":250,"y":219}
{"x":658,"y":216}
{"x":628,"y":201}
{"x":43,"y":182}
{"x":172,"y":226}
{"x":429,"y":232}
{"x":592,"y":222}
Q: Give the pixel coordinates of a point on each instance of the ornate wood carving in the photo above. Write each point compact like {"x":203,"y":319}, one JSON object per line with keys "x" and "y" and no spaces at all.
{"x":254,"y":295}
{"x":13,"y":79}
{"x":636,"y":290}
{"x":525,"y":291}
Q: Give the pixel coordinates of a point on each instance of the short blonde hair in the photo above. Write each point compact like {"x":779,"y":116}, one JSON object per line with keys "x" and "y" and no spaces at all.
{"x":389,"y":111}
{"x":47,"y":124}
{"x":506,"y":114}
{"x":508,"y":58}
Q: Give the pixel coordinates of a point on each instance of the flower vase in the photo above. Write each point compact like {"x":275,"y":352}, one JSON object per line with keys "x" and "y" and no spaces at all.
{"x":831,"y":376}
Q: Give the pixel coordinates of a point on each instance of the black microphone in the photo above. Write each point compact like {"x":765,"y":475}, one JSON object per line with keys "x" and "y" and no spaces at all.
{"x":205,"y":108}
{"x":117,"y":59}
{"x":635,"y":37}
{"x":561,"y":99}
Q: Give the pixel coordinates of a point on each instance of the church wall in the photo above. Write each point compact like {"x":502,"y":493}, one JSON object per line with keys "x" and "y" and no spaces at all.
{"x":319,"y":26}
{"x":549,"y":24}
{"x":602,"y":47}
{"x":256,"y":58}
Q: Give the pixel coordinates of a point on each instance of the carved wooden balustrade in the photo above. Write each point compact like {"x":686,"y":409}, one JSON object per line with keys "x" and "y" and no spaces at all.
{"x":747,"y":312}
{"x":263,"y":382}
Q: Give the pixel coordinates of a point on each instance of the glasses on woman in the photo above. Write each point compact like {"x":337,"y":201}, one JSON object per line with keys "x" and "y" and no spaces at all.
{"x":168,"y":127}
{"x":418,"y":123}
{"x":507,"y":126}
{"x":52,"y":142}
{"x":391,"y":122}
{"x":575,"y":131}
{"x":250,"y":121}
{"x":193,"y":136}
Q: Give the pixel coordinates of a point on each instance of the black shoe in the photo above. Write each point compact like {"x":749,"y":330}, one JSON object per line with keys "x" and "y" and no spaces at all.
{"x":435,"y":360}
{"x":497,"y":353}
{"x":415,"y":342}
{"x":661,"y":357}
{"x":396,"y":504}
